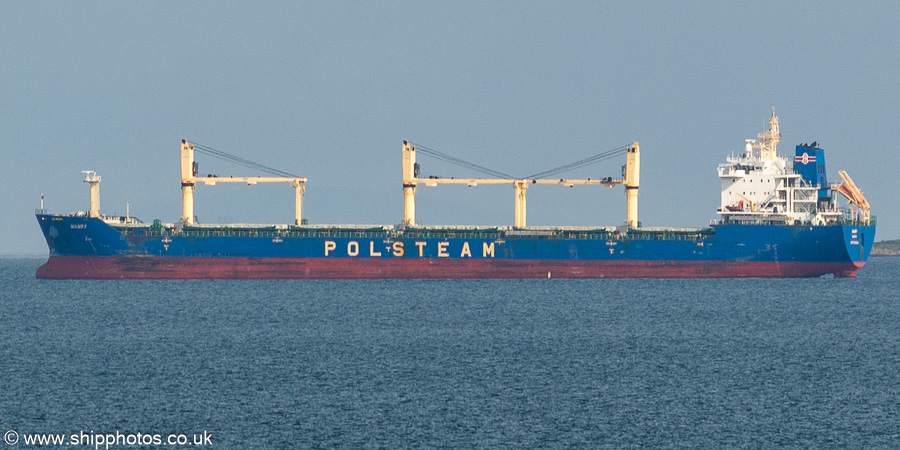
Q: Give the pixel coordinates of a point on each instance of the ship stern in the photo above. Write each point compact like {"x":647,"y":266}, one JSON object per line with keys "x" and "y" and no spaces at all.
{"x":858,"y":240}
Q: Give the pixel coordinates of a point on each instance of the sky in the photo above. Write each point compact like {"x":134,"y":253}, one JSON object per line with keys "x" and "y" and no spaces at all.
{"x":329,"y":91}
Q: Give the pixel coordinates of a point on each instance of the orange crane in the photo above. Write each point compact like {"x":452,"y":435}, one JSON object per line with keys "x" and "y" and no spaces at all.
{"x":855,"y":196}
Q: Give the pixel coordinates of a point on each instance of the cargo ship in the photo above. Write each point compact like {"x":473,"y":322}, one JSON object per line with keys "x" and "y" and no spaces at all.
{"x":779,"y":217}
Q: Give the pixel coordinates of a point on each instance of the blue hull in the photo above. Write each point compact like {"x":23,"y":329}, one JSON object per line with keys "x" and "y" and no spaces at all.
{"x":83,"y":247}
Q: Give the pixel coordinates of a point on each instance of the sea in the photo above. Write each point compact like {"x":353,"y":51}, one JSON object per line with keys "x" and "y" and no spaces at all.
{"x":758,"y":363}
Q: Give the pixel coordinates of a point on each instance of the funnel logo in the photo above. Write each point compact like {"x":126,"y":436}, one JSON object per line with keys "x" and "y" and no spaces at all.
{"x":805,"y":159}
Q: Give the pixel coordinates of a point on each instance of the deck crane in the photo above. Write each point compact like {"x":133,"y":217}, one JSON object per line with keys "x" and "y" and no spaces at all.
{"x":189,"y":179}
{"x":631,"y":181}
{"x":855,"y":196}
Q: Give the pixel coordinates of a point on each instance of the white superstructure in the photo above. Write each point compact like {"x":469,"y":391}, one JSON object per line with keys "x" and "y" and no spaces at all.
{"x":759,"y":186}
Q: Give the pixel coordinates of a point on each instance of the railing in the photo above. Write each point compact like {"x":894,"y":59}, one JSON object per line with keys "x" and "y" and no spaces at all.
{"x":851,"y":217}
{"x":599,"y":234}
{"x":452,"y":234}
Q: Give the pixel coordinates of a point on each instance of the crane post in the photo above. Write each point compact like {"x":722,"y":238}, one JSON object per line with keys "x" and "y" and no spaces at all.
{"x":187,"y":182}
{"x":521,"y":186}
{"x":299,"y":190}
{"x":409,"y":183}
{"x":91,"y":178}
{"x":632,"y":175}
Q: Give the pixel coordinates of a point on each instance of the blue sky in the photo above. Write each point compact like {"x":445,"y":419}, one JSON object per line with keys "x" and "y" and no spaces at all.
{"x":329,"y":90}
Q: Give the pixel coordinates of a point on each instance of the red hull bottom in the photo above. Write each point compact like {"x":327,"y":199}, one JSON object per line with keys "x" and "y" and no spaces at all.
{"x":144,"y":267}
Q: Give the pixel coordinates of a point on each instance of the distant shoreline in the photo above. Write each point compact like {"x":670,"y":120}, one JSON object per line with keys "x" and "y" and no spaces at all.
{"x":886,"y":248}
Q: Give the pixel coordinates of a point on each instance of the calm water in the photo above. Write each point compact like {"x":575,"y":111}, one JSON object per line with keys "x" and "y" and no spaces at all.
{"x":537,"y":363}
